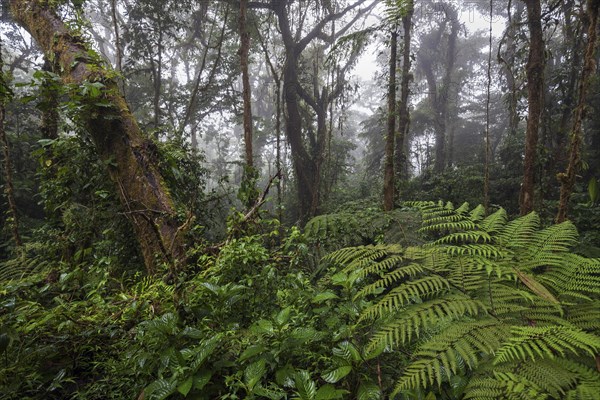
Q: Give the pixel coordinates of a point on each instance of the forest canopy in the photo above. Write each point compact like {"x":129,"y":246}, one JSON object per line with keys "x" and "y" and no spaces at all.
{"x":303,"y":199}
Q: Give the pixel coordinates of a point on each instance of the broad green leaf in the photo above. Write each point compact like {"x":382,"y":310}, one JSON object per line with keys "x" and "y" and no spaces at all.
{"x":185,"y":387}
{"x":329,"y":392}
{"x":305,"y":387}
{"x":263,"y":326}
{"x":324,"y":296}
{"x":283,"y":316}
{"x":201,"y":379}
{"x":252,"y":351}
{"x":368,"y":391}
{"x":285,"y":376}
{"x":593,"y":190}
{"x":335,"y":375}
{"x":269,"y":393}
{"x":254,"y":372}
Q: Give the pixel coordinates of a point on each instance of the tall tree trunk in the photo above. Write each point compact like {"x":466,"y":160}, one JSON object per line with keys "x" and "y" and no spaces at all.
{"x":388,"y":176}
{"x":446,"y":93}
{"x":535,"y":71}
{"x":486,"y":173}
{"x":116,"y":134}
{"x":567,"y":179}
{"x":403,"y":109}
{"x":247,"y":190}
{"x":13,"y":216}
{"x":118,"y":49}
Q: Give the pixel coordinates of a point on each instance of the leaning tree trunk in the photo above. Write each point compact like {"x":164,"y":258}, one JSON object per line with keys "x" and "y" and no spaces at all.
{"x":116,"y":134}
{"x":535,"y":70}
{"x":567,"y":179}
{"x":388,"y":175}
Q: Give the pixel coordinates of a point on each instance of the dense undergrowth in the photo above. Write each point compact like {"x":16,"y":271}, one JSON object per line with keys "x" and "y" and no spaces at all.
{"x":468,"y":307}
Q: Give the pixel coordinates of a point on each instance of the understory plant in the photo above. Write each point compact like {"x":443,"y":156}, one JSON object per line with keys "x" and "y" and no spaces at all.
{"x":488,"y":308}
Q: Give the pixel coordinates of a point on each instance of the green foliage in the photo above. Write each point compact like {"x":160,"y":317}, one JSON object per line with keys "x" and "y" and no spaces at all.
{"x":484,"y":297}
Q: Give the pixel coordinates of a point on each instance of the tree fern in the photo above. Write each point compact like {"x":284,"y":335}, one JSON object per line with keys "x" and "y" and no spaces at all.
{"x":488,"y":299}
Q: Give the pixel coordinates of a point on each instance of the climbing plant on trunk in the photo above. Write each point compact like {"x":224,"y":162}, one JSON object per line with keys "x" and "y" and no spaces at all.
{"x":130,"y":157}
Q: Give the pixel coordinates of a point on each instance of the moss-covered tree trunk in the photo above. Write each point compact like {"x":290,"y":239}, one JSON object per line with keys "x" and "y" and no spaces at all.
{"x":400,"y":156}
{"x":388,"y":174}
{"x":535,"y":70}
{"x":567,"y":179}
{"x":116,"y":134}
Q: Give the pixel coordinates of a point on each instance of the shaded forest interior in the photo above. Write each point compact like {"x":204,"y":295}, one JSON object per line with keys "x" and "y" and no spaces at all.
{"x":304,"y":199}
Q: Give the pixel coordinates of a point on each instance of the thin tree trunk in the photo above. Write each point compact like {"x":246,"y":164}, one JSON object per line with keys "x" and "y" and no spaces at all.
{"x":567,"y":179}
{"x":116,"y":134}
{"x":388,"y":175}
{"x":535,"y":71}
{"x":403,"y":110}
{"x":118,"y":50}
{"x":249,"y":193}
{"x":9,"y":191}
{"x":486,"y":174}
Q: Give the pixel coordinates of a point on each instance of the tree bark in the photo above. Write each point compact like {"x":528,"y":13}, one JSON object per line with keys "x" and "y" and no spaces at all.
{"x":388,"y":176}
{"x":567,"y":179}
{"x":248,"y":191}
{"x":403,"y":105}
{"x":307,"y":159}
{"x":535,"y":70}
{"x":116,"y":134}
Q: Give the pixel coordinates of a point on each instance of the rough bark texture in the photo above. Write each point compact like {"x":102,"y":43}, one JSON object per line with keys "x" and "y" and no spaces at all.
{"x":388,"y":176}
{"x":244,"y":49}
{"x":567,"y":179}
{"x":535,"y":70}
{"x":116,"y":135}
{"x":403,"y":105}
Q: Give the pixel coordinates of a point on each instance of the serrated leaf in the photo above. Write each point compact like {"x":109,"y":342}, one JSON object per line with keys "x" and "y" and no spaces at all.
{"x":305,"y":387}
{"x":185,"y":387}
{"x":335,"y":375}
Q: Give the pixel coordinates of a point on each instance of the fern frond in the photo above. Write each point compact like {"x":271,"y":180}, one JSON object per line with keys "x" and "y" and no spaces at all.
{"x":519,"y":232}
{"x":464,"y":237}
{"x":417,"y":318}
{"x":437,"y":358}
{"x":494,"y":222}
{"x":585,"y":316}
{"x":359,"y":256}
{"x":546,"y":342}
{"x":406,"y":293}
{"x":478,"y":213}
{"x":398,"y":274}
